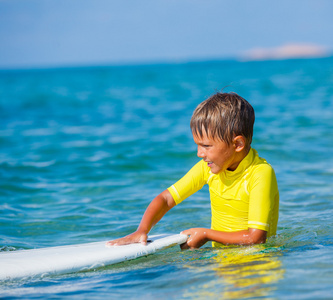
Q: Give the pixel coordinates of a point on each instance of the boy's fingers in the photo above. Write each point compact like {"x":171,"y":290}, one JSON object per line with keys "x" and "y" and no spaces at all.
{"x":128,"y":240}
{"x":113,"y":243}
{"x":118,"y":242}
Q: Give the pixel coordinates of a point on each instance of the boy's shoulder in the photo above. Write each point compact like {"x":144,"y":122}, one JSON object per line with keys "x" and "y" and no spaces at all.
{"x":260,"y":162}
{"x":260,"y":169}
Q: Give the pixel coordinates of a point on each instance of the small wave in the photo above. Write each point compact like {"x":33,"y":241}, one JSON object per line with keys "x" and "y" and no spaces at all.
{"x":39,"y":164}
{"x":7,"y":248}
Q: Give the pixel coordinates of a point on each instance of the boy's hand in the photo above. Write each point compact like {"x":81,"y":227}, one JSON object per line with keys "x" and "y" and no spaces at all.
{"x":135,"y":237}
{"x":197,"y":238}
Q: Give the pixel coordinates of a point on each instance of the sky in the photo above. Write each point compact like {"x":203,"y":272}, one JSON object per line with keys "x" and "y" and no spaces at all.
{"x":57,"y":33}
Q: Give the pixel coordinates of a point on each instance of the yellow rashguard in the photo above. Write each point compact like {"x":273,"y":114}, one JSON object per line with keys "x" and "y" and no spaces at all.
{"x":245,"y":198}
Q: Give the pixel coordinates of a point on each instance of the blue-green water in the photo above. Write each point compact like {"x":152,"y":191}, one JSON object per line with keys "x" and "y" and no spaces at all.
{"x":83,"y":152}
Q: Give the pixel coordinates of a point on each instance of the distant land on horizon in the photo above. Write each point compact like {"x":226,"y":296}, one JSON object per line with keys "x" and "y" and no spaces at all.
{"x":284,"y":52}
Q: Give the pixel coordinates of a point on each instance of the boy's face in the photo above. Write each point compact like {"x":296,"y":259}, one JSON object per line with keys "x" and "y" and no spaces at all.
{"x":218,"y":155}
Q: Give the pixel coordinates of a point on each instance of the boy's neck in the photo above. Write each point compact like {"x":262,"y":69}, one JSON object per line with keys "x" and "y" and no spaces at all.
{"x":238,"y":158}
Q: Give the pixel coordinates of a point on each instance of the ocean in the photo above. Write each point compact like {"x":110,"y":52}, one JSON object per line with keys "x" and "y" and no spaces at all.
{"x":84,"y":150}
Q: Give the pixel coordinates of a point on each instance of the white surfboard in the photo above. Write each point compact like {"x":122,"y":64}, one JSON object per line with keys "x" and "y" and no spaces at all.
{"x":66,"y":259}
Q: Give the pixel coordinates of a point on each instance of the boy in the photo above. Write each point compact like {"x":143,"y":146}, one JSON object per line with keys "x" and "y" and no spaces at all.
{"x":243,"y":188}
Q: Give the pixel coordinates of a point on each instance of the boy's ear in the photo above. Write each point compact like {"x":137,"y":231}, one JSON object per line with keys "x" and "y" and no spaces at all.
{"x":239,"y":143}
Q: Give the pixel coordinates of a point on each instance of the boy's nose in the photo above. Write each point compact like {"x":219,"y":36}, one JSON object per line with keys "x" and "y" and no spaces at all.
{"x":200,"y":153}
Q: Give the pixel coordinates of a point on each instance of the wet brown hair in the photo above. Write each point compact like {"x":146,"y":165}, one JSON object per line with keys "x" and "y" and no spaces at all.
{"x":224,"y":116}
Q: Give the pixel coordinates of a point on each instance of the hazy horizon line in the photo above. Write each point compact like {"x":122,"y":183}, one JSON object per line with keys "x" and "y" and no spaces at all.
{"x":133,"y":63}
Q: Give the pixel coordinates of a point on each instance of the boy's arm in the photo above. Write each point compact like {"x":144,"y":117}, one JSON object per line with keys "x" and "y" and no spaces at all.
{"x":199,"y":236}
{"x":154,"y":212}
